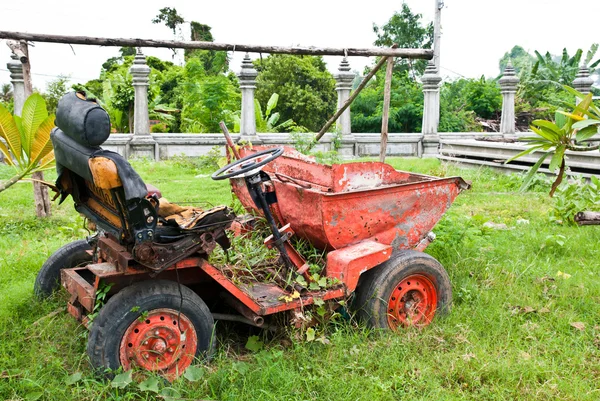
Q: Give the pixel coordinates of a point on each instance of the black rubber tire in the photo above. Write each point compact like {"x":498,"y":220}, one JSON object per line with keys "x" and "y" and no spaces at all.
{"x":121,"y":310}
{"x":71,"y":255}
{"x":376,"y":285}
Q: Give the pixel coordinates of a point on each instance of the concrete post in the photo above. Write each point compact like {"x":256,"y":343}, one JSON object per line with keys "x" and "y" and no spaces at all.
{"x":142,"y":144}
{"x":344,"y":79}
{"x":247,"y":78}
{"x":508,"y":87}
{"x":16,"y":78}
{"x":431,"y":110}
{"x":583,"y":83}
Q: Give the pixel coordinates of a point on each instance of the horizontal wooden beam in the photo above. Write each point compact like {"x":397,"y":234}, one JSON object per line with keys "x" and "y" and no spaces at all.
{"x":177,"y":44}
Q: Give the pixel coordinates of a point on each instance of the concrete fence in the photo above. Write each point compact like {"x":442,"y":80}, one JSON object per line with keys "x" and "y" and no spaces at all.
{"x":428,"y":143}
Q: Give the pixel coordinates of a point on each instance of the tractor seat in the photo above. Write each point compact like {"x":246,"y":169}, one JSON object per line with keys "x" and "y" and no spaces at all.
{"x":109,"y":192}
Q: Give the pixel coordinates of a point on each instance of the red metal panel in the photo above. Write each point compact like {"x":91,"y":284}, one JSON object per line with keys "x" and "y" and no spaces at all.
{"x":349,"y":263}
{"x":76,"y":285}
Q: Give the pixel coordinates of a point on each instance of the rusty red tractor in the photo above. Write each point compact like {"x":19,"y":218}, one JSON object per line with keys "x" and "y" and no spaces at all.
{"x":151,"y":257}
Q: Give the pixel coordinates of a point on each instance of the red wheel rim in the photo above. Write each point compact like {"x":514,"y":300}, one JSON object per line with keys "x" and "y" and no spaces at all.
{"x":412,"y":303}
{"x":162,"y":341}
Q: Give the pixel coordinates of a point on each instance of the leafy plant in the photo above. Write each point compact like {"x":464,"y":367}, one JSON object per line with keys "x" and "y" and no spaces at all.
{"x":568,"y":131}
{"x":26,"y":147}
{"x":574,"y":197}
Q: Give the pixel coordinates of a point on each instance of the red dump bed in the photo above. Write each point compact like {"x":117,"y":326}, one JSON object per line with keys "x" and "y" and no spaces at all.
{"x":343,"y":204}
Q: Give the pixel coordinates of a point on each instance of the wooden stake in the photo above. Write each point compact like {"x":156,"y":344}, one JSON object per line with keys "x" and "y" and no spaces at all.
{"x":387,"y":93}
{"x":362,"y":85}
{"x":40,"y":191}
{"x":176,"y":44}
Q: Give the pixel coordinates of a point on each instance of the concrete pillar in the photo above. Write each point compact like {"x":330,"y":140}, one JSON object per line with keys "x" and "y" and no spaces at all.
{"x":431,"y":110}
{"x":583,"y":83}
{"x":247,"y":78}
{"x":142,"y":144}
{"x":344,"y":79}
{"x":16,"y":78}
{"x":508,"y":87}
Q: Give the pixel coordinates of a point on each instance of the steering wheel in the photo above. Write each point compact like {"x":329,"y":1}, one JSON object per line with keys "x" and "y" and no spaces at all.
{"x":248,"y":163}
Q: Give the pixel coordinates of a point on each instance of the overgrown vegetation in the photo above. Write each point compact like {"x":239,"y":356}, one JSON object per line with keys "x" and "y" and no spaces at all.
{"x":524,"y":323}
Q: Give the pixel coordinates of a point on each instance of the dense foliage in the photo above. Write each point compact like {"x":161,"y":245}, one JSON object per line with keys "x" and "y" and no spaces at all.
{"x":306,"y":88}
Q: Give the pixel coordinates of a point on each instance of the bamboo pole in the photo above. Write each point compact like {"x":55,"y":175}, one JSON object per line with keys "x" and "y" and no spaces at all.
{"x":362,"y":85}
{"x":176,"y":44}
{"x":387,"y":94}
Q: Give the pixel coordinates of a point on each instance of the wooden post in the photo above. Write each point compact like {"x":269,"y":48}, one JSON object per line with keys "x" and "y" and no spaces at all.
{"x":387,"y":93}
{"x":350,"y":99}
{"x":40,"y":191}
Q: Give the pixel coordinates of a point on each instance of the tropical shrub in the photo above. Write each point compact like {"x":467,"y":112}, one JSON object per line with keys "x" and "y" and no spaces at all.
{"x":26,"y":147}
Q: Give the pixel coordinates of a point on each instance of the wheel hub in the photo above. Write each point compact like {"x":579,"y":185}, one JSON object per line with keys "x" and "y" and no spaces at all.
{"x":163,"y":341}
{"x":412,"y":303}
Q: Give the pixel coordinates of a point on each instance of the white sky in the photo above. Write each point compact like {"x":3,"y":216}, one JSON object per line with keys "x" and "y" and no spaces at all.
{"x":475,"y":33}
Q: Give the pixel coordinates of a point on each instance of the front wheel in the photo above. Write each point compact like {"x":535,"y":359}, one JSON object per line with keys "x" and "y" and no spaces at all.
{"x":407,"y":290}
{"x":150,"y":326}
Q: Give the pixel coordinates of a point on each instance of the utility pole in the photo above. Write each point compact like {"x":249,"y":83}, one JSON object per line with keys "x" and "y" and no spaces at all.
{"x":437,"y":33}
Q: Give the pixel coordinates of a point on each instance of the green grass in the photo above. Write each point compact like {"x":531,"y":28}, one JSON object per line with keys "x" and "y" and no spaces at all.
{"x":509,"y":335}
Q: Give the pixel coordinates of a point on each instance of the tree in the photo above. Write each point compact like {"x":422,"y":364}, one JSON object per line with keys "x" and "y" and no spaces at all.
{"x":28,"y":148}
{"x":406,"y":105}
{"x":405,"y":29}
{"x":520,"y":59}
{"x":169,"y":17}
{"x":306,"y":88}
{"x":207,"y":99}
{"x":54,"y":91}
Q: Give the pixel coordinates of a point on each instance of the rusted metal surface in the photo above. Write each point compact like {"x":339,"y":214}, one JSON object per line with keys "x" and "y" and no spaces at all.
{"x":165,"y":341}
{"x":413,"y":302}
{"x":75,"y":284}
{"x":268,"y":298}
{"x":350,"y":203}
{"x":347,"y":264}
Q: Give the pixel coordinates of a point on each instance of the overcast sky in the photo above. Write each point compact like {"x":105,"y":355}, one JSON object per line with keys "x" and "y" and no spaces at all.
{"x":475,"y":33}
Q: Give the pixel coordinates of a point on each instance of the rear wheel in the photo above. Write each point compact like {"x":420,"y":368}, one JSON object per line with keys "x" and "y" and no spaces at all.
{"x":71,"y":255}
{"x":407,"y":290}
{"x":143,"y":326}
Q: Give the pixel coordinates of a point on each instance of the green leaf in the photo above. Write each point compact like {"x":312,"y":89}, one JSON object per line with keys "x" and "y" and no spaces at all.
{"x":323,"y":282}
{"x":313,"y":286}
{"x":170,"y":394}
{"x":319,"y":302}
{"x":544,"y":133}
{"x":254,"y":344}
{"x":301,"y":280}
{"x":150,"y":384}
{"x":553,"y":128}
{"x":560,"y":119}
{"x":74,"y":378}
{"x":34,"y":395}
{"x":272,"y":103}
{"x":33,"y":115}
{"x":10,"y":133}
{"x":42,"y":145}
{"x":586,"y":133}
{"x":585,"y":123}
{"x":557,"y":158}
{"x":523,"y":153}
{"x":310,"y":334}
{"x":532,"y":171}
{"x":193,"y":373}
{"x":121,"y":380}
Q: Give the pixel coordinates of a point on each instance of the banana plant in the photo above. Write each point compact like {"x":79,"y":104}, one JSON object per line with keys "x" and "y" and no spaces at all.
{"x":268,"y":121}
{"x":25,"y":140}
{"x":568,"y":131}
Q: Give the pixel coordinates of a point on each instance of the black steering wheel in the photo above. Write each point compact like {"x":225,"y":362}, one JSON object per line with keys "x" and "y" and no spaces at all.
{"x":248,"y":163}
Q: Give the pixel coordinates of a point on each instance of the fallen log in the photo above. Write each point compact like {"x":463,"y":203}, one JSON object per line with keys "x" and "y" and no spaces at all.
{"x":588,"y":218}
